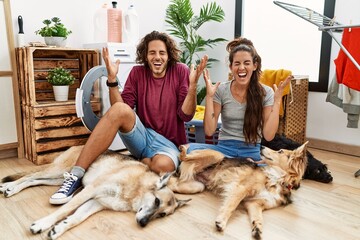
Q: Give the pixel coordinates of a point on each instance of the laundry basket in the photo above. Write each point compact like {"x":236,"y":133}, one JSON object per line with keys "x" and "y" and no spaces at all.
{"x":195,"y":133}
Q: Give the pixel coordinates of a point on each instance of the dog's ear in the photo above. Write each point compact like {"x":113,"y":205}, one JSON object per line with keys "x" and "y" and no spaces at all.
{"x":302,"y":149}
{"x":163,"y":180}
{"x":180,"y":203}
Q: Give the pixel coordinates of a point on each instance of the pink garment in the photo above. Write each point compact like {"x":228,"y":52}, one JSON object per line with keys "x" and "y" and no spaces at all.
{"x":158,"y":101}
{"x":346,"y":71}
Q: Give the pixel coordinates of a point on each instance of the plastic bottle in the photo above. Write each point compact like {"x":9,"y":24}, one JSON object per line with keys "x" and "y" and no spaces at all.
{"x":101,"y":24}
{"x":114,"y":19}
{"x":132,"y":25}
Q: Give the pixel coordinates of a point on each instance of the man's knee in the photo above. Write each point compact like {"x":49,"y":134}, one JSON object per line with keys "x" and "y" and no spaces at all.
{"x":162,"y":163}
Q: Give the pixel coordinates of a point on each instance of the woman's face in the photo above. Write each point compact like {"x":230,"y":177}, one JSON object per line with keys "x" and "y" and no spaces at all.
{"x":242,"y":67}
{"x":157,"y":57}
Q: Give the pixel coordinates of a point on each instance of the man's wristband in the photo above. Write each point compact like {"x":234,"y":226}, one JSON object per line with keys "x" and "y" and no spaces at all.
{"x":112,"y":84}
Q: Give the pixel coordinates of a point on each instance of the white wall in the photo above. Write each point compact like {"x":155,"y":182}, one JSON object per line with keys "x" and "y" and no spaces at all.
{"x":78,"y":15}
{"x":325,"y":121}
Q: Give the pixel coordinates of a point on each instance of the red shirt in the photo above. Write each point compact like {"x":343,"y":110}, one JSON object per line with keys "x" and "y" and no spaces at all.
{"x":158,"y":101}
{"x":346,"y":71}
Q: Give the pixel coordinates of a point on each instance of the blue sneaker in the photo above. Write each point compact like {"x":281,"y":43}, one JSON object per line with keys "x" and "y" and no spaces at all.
{"x":69,"y":187}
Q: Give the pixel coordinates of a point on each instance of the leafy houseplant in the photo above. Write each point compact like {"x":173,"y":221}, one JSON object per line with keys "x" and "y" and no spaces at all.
{"x":184,"y":25}
{"x":54,"y":29}
{"x":60,"y":78}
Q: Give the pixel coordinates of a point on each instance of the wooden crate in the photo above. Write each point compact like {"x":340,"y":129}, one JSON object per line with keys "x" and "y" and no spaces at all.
{"x":51,"y":127}
{"x":34,"y":64}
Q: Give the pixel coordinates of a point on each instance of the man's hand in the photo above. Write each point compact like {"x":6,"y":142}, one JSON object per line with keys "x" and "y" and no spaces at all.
{"x":111,"y":68}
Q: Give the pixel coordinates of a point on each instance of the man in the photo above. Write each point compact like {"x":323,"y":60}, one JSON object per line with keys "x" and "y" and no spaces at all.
{"x":163,"y":93}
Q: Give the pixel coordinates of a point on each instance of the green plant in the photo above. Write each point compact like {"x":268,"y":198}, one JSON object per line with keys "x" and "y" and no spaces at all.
{"x":60,"y":76}
{"x":184,"y":24}
{"x":53,"y":28}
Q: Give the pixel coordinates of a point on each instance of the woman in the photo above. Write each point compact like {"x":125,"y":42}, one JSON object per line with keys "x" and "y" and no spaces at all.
{"x":249,"y":110}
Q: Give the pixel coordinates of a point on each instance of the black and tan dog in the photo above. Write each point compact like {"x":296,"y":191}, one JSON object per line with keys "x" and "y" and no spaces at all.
{"x":241,"y":181}
{"x":315,"y":170}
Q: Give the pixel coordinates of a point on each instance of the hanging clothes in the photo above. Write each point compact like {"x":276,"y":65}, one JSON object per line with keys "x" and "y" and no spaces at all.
{"x":346,"y":98}
{"x":346,"y":71}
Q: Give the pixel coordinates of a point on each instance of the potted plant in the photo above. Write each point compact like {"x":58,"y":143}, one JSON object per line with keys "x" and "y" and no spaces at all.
{"x":60,"y":79}
{"x":54,"y":32}
{"x":184,"y":24}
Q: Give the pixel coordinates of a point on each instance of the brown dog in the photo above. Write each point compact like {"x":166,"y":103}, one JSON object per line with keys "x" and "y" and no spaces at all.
{"x":114,"y":181}
{"x":240,"y":181}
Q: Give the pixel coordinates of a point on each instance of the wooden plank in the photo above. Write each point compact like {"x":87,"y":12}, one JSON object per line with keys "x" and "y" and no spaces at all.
{"x":42,"y":74}
{"x":46,"y":157}
{"x":59,"y":144}
{"x":54,"y":110}
{"x":62,"y":132}
{"x":48,"y":63}
{"x":59,"y":121}
{"x":30,"y":77}
{"x":39,"y":52}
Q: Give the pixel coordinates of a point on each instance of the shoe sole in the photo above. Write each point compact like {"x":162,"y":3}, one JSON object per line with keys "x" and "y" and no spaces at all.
{"x":60,"y":201}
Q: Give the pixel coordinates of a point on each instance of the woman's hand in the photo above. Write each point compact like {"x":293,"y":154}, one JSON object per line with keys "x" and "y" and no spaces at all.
{"x":210,"y":88}
{"x":111,"y":68}
{"x":195,"y":73}
{"x":280,"y":88}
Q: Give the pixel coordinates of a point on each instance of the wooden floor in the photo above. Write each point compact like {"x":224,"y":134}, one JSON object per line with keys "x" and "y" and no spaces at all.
{"x":319,"y":211}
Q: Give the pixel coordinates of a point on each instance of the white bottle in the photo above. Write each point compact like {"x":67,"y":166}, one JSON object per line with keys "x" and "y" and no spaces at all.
{"x":101,"y":25}
{"x":132,"y":25}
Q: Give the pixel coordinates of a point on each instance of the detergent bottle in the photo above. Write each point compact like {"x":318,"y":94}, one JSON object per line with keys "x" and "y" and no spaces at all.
{"x":132,"y":25}
{"x":114,"y":20}
{"x":101,"y":24}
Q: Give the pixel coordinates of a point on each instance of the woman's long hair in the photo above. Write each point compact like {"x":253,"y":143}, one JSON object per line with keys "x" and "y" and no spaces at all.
{"x":253,"y":121}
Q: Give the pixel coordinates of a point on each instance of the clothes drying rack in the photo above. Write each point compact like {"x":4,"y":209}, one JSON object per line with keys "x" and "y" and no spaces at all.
{"x":324,"y":23}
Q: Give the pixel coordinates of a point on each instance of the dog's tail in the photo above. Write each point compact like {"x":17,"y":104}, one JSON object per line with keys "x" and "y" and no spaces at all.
{"x":13,"y":177}
{"x":16,"y":176}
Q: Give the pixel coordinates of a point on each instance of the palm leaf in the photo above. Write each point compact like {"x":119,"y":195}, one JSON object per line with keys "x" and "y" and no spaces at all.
{"x":208,"y":13}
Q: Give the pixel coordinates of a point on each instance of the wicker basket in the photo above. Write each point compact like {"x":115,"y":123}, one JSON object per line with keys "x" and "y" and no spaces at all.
{"x":292,"y":125}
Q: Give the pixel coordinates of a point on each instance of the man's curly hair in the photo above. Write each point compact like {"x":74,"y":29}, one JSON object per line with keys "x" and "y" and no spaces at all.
{"x":171,"y":47}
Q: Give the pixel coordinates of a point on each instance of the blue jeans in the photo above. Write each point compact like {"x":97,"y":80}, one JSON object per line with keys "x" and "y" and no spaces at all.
{"x":144,"y":142}
{"x":231,"y":149}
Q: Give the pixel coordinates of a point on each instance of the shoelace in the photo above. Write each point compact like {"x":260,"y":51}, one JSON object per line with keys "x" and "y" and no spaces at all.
{"x":69,"y":180}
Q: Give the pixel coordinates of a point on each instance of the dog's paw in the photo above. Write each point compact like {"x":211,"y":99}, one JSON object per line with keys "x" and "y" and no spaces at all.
{"x":183,"y":150}
{"x":40,"y":226}
{"x":220,"y":223}
{"x":220,"y":226}
{"x":55,"y":232}
{"x":256,"y":233}
{"x":7,"y":189}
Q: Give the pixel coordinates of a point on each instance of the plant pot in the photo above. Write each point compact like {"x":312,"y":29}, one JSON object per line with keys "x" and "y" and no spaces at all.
{"x":61,"y":93}
{"x":55,"y":41}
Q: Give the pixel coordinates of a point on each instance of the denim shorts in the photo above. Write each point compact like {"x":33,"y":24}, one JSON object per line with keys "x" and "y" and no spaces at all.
{"x":144,"y":142}
{"x":231,"y":149}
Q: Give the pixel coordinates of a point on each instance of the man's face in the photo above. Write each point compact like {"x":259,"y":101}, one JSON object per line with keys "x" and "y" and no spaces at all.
{"x":157,"y":57}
